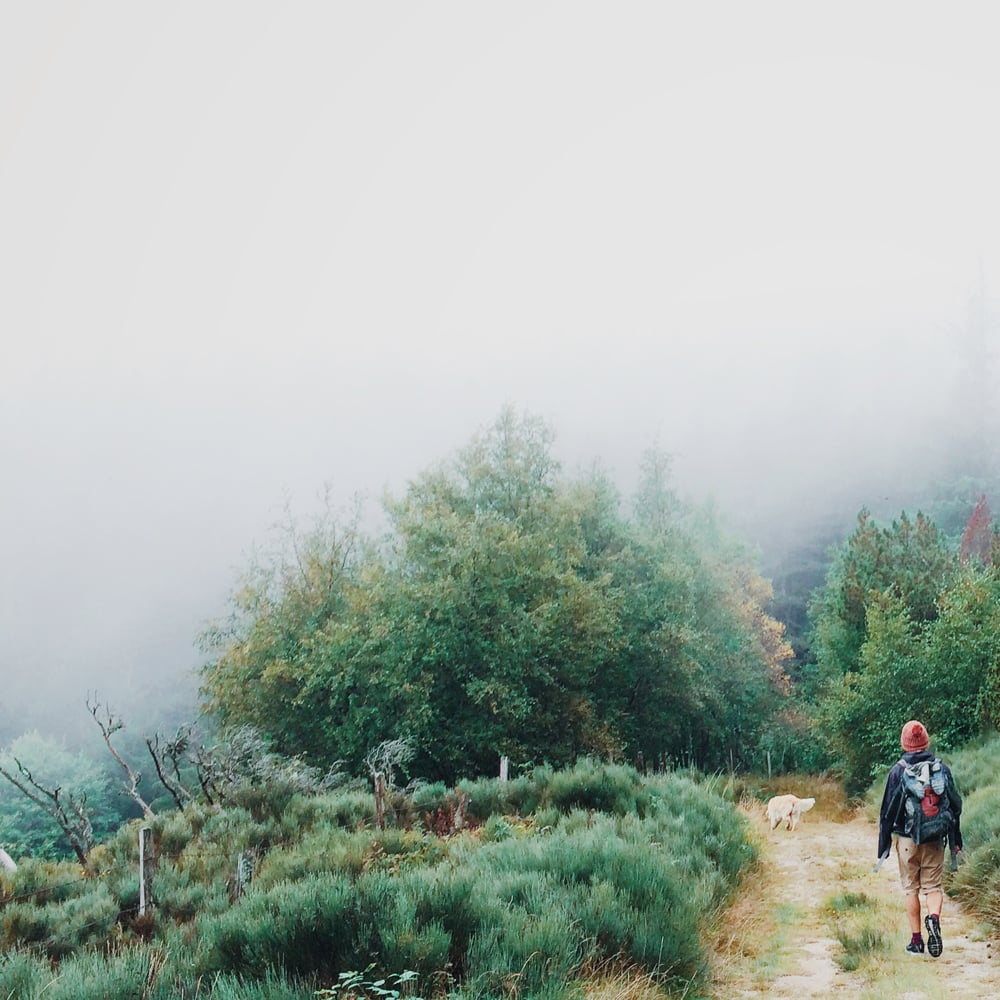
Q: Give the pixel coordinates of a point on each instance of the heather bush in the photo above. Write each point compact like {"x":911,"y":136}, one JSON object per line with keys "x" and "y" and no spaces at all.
{"x":23,"y":974}
{"x":428,"y":796}
{"x":975,"y":765}
{"x":64,"y":927}
{"x":321,"y":851}
{"x":530,"y":954}
{"x":274,"y":986}
{"x":301,"y":927}
{"x":981,"y":815}
{"x":172,"y":832}
{"x":600,"y":787}
{"x":568,"y":870}
{"x":43,"y":881}
{"x":99,"y":976}
{"x":180,"y":895}
{"x":977,"y":881}
{"x":351,"y":809}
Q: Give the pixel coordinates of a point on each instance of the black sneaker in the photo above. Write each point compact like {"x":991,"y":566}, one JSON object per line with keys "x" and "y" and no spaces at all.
{"x":915,"y":948}
{"x":934,"y":943}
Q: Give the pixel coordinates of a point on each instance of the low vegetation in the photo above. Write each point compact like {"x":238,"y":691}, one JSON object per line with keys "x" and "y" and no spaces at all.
{"x":977,"y":881}
{"x":554,"y":877}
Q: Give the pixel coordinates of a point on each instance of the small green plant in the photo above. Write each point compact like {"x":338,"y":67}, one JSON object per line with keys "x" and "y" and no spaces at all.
{"x":360,"y":986}
{"x":846,"y":901}
{"x":859,"y":945}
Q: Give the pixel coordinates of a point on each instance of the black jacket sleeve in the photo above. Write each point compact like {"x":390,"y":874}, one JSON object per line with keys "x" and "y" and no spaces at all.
{"x":955,"y":801}
{"x":889,"y":811}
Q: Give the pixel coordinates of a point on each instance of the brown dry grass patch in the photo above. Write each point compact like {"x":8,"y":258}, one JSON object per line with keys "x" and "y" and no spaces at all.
{"x":621,"y":983}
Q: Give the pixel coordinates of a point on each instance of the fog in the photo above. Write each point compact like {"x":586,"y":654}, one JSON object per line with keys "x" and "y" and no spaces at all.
{"x":251,"y":249}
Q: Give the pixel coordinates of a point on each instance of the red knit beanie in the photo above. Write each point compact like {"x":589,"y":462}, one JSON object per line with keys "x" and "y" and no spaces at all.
{"x":914,"y":736}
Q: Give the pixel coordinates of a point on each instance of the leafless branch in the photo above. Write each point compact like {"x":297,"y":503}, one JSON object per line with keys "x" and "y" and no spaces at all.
{"x":168,"y":754}
{"x":109,"y":724}
{"x":69,"y":812}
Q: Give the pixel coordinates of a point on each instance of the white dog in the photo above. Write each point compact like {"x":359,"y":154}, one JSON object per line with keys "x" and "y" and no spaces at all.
{"x":788,"y":808}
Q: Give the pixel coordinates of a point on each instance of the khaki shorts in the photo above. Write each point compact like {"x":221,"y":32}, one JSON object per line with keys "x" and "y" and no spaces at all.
{"x":920,"y":865}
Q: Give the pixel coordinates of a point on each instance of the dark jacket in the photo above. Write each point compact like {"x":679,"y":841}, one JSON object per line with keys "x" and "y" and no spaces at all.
{"x":892,"y":815}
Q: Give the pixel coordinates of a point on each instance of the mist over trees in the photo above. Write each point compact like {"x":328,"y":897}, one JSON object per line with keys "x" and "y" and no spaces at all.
{"x":509,"y":610}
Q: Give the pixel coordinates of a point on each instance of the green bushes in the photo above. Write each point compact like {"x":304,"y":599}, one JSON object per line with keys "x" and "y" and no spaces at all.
{"x":301,"y":927}
{"x":587,"y":785}
{"x":977,"y":773}
{"x":73,"y":914}
{"x":22,"y":974}
{"x":274,"y":986}
{"x":96,"y":976}
{"x":604,"y":866}
{"x":513,"y":909}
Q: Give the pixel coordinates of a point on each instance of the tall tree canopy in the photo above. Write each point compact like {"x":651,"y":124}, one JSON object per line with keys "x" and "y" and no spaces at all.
{"x":508,"y":611}
{"x":907,"y":560}
{"x":906,"y":629}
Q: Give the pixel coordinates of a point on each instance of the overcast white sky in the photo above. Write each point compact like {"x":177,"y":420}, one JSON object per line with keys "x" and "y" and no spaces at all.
{"x":248,"y":249}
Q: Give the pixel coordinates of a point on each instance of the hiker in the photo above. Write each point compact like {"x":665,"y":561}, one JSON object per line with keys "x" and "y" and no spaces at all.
{"x":920,"y":808}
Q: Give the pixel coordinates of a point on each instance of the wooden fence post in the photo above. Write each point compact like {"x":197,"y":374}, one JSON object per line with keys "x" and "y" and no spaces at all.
{"x":504,"y":768}
{"x":145,"y":870}
{"x":379,"y":800}
{"x":244,"y":873}
{"x":462,"y":802}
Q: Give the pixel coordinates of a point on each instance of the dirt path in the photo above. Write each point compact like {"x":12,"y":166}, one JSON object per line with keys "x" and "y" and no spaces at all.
{"x":785,"y":938}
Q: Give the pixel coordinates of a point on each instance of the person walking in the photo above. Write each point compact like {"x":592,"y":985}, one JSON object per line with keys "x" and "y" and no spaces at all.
{"x":920,"y":809}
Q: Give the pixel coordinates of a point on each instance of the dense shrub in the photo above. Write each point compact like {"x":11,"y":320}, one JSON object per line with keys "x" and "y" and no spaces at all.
{"x":977,"y":773}
{"x":604,"y":866}
{"x":22,"y":974}
{"x":274,"y":986}
{"x":96,"y":976}
{"x":599,"y":787}
{"x":300,"y":927}
{"x":64,"y":927}
{"x":44,"y":881}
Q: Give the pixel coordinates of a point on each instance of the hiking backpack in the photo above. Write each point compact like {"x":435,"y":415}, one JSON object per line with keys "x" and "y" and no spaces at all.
{"x":925,"y":801}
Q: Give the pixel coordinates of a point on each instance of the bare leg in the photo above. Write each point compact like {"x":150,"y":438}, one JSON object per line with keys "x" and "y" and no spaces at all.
{"x":913,"y":911}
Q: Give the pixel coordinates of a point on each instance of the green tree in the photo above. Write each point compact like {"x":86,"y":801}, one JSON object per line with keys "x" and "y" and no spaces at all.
{"x":508,"y":611}
{"x":285,"y":604}
{"x":907,"y":560}
{"x":941,"y":671}
{"x":492,"y":622}
{"x":697,"y":664}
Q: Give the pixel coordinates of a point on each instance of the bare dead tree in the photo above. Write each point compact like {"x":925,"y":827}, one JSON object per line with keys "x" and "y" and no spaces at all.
{"x":168,"y":757}
{"x":380,"y":762}
{"x":239,"y":759}
{"x":207,"y":773}
{"x":67,"y":810}
{"x":388,"y":755}
{"x":110,"y":724}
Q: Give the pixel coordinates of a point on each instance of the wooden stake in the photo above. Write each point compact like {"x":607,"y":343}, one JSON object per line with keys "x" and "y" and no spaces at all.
{"x":145,"y":870}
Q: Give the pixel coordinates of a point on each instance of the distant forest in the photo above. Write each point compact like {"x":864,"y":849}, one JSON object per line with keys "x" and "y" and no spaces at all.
{"x":509,"y":610}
